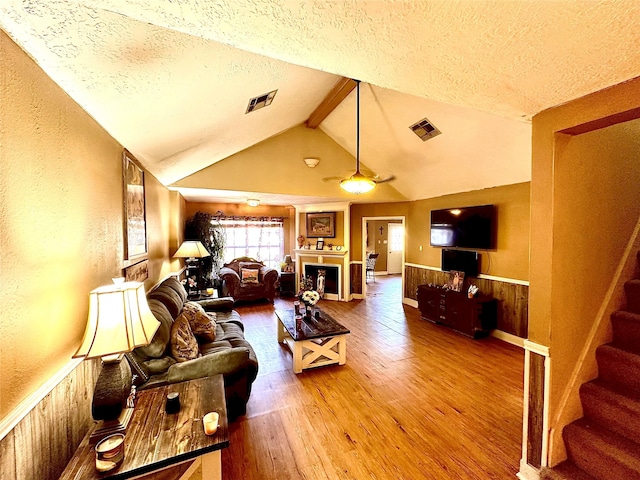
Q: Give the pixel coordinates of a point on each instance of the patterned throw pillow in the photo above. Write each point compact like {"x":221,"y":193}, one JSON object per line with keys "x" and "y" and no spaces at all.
{"x":184,"y":345}
{"x":249,"y":275}
{"x":202,"y":325}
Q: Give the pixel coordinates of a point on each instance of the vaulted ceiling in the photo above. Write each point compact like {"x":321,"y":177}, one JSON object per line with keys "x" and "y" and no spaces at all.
{"x":171,"y":80}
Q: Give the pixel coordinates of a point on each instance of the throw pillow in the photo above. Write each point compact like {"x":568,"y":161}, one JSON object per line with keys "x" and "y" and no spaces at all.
{"x":249,"y":275}
{"x":253,"y":265}
{"x":202,"y":325}
{"x":184,"y":345}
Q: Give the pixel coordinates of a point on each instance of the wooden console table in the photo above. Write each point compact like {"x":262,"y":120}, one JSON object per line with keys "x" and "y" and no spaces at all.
{"x":155,"y":440}
{"x":475,"y":317}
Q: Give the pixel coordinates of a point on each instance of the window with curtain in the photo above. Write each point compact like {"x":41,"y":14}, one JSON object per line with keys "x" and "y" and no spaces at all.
{"x":259,"y":237}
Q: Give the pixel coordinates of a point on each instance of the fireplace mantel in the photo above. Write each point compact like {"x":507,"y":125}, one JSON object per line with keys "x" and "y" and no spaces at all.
{"x":312,"y":252}
{"x":331,"y":258}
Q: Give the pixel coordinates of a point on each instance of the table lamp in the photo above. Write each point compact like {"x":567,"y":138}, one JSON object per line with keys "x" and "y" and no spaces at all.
{"x":192,"y":250}
{"x":119,"y":320}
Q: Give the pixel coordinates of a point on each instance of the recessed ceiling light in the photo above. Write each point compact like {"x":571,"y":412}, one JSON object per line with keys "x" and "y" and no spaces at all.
{"x":253,"y":202}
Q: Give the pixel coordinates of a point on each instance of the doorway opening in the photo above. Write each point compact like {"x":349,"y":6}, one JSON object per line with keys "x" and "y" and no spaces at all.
{"x":383,"y":238}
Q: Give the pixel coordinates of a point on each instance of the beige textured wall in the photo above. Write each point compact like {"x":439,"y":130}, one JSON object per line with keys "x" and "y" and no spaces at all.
{"x":510,"y":259}
{"x":60,"y":223}
{"x":372,"y":210}
{"x":592,"y":108}
{"x":338,"y":239}
{"x":596,"y":210}
{"x":276,"y":165}
{"x":584,"y":203}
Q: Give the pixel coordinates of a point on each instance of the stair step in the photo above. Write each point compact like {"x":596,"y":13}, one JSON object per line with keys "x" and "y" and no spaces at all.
{"x":565,"y":471}
{"x":626,"y":330}
{"x":601,"y":453}
{"x":612,"y":410}
{"x":619,"y":369}
{"x":632,"y":290}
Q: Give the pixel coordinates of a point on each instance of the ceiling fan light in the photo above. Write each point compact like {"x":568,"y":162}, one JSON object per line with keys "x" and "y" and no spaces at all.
{"x":357,"y":184}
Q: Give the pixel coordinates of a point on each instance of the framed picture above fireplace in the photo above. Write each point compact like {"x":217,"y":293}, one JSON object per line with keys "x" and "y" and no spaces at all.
{"x":320,"y":225}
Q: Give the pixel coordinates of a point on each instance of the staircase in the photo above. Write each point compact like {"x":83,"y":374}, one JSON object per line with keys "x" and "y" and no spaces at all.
{"x":605,"y":443}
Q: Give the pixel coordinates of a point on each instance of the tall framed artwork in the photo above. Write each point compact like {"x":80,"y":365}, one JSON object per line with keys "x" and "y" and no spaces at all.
{"x":135,"y":224}
{"x":320,"y":225}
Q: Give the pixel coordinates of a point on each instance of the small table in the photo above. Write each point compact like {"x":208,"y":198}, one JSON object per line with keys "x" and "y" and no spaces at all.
{"x":202,"y":295}
{"x":287,"y":284}
{"x":156,"y":440}
{"x":315,"y":342}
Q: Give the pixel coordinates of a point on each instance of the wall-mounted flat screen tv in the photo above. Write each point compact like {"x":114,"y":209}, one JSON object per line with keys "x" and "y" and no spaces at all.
{"x":465,"y":227}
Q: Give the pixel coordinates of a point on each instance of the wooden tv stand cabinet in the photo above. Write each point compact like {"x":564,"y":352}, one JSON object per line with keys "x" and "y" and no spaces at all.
{"x":474,"y":317}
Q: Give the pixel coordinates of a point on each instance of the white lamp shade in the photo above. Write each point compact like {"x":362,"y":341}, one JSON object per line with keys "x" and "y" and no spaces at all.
{"x":191,"y":249}
{"x":119,"y":320}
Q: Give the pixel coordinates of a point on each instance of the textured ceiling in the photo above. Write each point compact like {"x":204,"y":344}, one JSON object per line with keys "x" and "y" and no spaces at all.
{"x":170,"y":80}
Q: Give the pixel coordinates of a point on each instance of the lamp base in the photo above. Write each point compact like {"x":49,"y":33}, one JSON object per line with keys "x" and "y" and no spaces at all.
{"x":109,"y":397}
{"x":109,"y":427}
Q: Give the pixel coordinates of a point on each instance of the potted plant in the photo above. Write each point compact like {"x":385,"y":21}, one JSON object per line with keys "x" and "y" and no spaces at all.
{"x":207,"y":228}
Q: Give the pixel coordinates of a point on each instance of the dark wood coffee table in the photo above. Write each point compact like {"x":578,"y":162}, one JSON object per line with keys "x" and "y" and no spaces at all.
{"x":313,"y":343}
{"x":155,"y":440}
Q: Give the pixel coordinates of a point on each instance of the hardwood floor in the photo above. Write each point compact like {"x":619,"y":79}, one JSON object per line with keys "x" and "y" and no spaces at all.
{"x":414,"y":401}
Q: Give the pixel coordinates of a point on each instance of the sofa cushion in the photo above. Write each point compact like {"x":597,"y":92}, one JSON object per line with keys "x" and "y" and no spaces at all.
{"x":169,"y":297}
{"x":228,"y":335}
{"x":217,"y":304}
{"x":159,"y":365}
{"x":249,"y":275}
{"x":176,"y":286}
{"x":184,"y":345}
{"x":202,"y":325}
{"x":160,"y":341}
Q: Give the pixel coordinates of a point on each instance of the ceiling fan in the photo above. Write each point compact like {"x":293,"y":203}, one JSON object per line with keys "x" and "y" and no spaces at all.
{"x":359,"y":183}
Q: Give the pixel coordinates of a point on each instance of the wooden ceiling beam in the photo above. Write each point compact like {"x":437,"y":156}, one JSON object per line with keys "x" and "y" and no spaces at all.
{"x":342,"y":88}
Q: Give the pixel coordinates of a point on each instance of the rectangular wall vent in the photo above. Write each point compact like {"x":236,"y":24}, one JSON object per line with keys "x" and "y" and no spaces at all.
{"x":425,"y":129}
{"x":259,"y":102}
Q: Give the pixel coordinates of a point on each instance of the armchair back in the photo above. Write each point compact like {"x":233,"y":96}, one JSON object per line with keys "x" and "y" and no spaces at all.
{"x":248,"y":279}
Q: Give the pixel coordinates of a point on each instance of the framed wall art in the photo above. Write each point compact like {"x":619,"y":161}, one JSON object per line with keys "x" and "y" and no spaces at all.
{"x":456,"y":280}
{"x":138,"y":272}
{"x":321,"y":225}
{"x":135,"y":226}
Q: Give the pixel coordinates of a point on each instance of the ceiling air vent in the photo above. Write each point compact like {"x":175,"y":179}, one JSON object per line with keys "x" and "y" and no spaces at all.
{"x":425,"y":129}
{"x":262,"y":101}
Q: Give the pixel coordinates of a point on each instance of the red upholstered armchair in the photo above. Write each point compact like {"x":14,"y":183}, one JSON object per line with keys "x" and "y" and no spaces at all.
{"x":247,"y":279}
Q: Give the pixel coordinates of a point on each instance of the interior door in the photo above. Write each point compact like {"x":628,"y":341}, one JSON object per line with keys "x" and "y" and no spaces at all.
{"x":396,"y":246}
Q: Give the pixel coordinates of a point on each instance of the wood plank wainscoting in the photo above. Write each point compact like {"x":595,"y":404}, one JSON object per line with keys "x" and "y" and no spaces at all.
{"x":535,"y":416}
{"x":512,"y":295}
{"x":44,"y":439}
{"x":356,"y":278}
{"x":40,"y":436}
